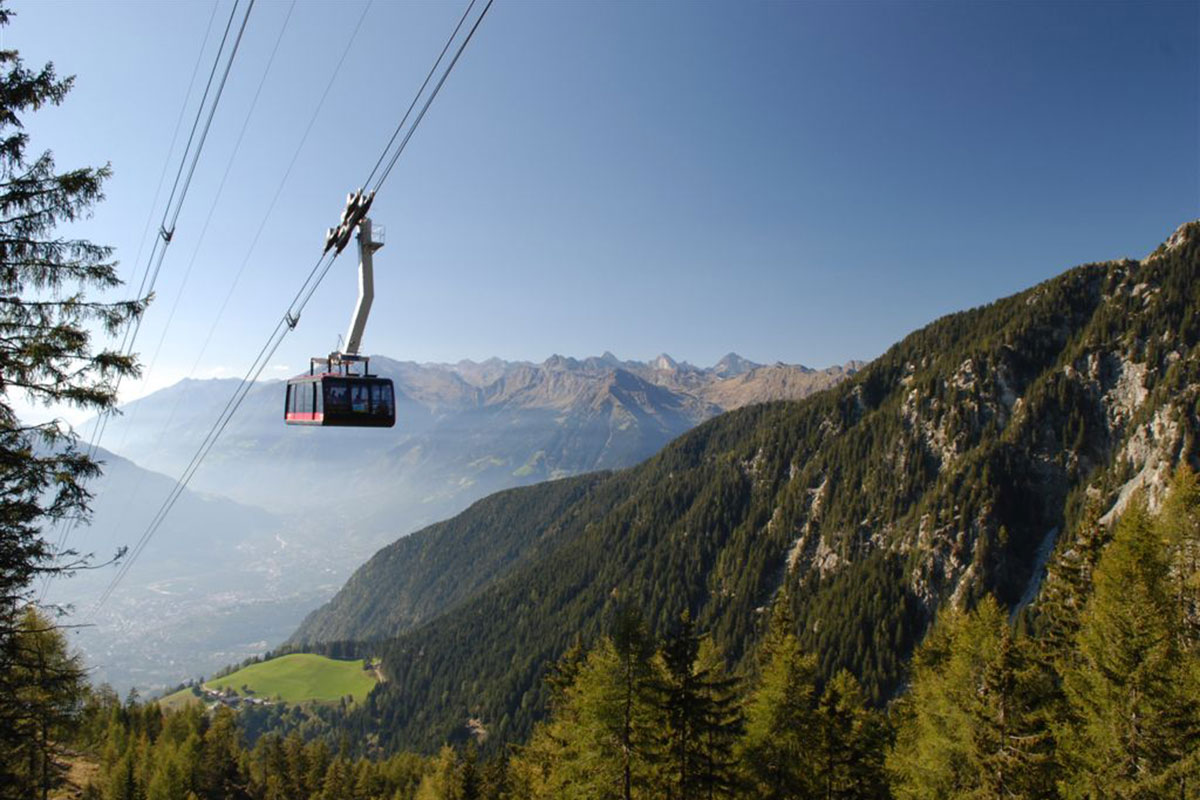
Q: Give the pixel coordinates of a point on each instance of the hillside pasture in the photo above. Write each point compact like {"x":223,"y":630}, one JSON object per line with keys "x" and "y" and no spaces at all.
{"x":300,"y":678}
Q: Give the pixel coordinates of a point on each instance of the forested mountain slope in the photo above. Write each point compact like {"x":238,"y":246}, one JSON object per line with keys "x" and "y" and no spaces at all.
{"x":427,"y":573}
{"x":940,"y":472}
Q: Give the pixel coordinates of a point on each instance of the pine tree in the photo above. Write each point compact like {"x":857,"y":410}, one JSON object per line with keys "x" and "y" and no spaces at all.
{"x":47,"y":324}
{"x":316,"y":758}
{"x":440,"y":782}
{"x":338,"y":782}
{"x":599,"y":740}
{"x":634,"y":673}
{"x":1013,"y":747}
{"x":1179,"y":526}
{"x":219,"y":769}
{"x":296,"y":759}
{"x":1068,"y":585}
{"x":494,"y":781}
{"x":121,"y":784}
{"x":1132,"y":689}
{"x":366,"y":782}
{"x":468,"y":779}
{"x":50,"y":687}
{"x":781,"y":728}
{"x":167,"y":781}
{"x":972,"y":723}
{"x":532,"y":770}
{"x":851,"y":743}
{"x":700,"y":718}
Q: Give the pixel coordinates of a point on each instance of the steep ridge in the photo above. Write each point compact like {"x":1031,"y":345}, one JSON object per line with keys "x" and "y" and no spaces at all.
{"x":936,"y":474}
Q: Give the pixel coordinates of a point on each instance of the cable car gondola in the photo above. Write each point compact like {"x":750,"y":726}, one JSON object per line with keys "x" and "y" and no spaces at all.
{"x":338,"y":397}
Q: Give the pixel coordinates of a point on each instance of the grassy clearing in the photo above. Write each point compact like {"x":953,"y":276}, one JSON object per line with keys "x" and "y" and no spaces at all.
{"x":299,"y":678}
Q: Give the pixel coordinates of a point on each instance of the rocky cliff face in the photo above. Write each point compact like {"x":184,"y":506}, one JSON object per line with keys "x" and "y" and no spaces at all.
{"x":1081,"y":391}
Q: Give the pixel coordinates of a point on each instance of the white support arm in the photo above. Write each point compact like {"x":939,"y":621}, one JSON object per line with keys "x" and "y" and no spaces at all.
{"x":366,"y":287}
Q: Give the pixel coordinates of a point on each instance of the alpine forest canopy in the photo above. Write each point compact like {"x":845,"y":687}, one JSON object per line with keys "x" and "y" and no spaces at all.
{"x":1096,"y":695}
{"x":942,"y":474}
{"x":49,"y":319}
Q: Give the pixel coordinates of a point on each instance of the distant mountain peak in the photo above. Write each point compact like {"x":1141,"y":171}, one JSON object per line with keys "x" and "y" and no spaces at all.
{"x":557,"y":361}
{"x":664,"y":362}
{"x":732,"y":364}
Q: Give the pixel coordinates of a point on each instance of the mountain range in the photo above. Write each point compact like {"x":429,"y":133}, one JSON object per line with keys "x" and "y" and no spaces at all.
{"x":463,"y":430}
{"x":941,"y":472}
{"x":279,"y":516}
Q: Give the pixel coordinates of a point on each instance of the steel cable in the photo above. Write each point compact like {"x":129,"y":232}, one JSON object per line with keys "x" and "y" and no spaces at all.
{"x":154,"y":265}
{"x":290,"y":317}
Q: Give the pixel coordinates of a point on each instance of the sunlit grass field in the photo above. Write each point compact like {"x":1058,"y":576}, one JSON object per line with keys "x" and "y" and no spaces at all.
{"x":299,"y":678}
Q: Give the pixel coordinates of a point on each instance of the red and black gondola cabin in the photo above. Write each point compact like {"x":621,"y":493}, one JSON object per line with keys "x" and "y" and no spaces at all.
{"x":338,"y":397}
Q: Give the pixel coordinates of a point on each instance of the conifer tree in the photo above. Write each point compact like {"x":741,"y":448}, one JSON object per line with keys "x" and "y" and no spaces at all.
{"x":440,"y":783}
{"x":971,"y":723}
{"x":296,"y":760}
{"x":851,"y":743}
{"x":1132,"y":689}
{"x":366,"y":781}
{"x":47,"y":325}
{"x":780,"y":738}
{"x":1014,"y":749}
{"x":50,"y":687}
{"x":531,"y":770}
{"x":219,"y":769}
{"x":338,"y":783}
{"x":1067,"y":586}
{"x":599,"y":741}
{"x":634,"y":734}
{"x":535,"y":771}
{"x":317,"y":758}
{"x":467,"y":781}
{"x":494,"y":781}
{"x":700,"y":718}
{"x":167,"y":781}
{"x":121,"y":783}
{"x":1179,"y":524}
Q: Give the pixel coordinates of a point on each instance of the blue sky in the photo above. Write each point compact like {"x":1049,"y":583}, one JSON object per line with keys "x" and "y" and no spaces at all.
{"x":803,"y":181}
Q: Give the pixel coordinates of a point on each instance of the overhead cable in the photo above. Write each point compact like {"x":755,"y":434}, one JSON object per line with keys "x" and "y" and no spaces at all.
{"x":288,"y":322}
{"x":132,"y":418}
{"x":166,"y":231}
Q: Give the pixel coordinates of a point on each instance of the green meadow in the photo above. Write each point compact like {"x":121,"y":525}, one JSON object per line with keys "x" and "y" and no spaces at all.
{"x":299,"y":678}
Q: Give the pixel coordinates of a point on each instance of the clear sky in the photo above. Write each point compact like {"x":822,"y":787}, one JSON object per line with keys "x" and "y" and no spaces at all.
{"x":795,"y":181}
